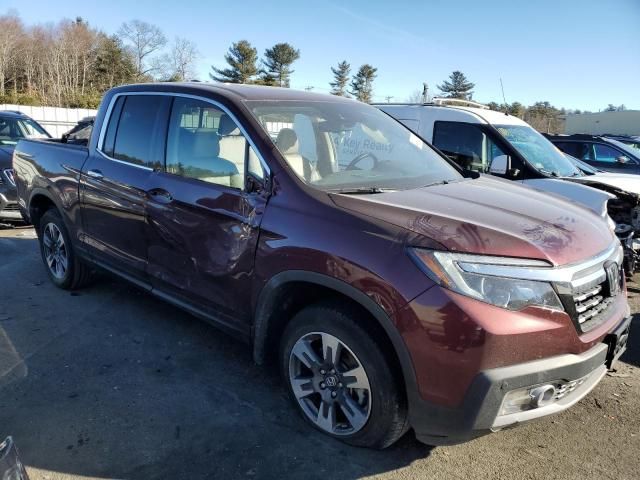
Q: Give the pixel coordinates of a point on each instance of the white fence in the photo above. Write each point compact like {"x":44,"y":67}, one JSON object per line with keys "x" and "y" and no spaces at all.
{"x":55,"y":120}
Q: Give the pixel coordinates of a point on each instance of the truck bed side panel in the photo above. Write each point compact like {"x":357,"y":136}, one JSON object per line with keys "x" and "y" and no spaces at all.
{"x":50,"y":169}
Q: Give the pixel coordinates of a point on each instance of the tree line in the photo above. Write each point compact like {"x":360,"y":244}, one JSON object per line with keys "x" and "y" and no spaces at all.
{"x":72,"y":64}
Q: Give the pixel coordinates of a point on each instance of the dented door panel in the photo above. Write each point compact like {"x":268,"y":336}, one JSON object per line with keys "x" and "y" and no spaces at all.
{"x":201,"y":243}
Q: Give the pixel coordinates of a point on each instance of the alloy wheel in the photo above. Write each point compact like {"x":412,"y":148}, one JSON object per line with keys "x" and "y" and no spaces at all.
{"x":330,"y":384}
{"x":55,"y":250}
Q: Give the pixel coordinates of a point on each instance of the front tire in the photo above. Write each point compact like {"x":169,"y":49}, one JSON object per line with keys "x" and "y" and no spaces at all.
{"x":339,"y":378}
{"x":64,"y":268}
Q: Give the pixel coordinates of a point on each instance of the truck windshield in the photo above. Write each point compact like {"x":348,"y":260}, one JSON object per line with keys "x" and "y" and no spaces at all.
{"x":13,"y":129}
{"x":342,"y":146}
{"x":538,"y":151}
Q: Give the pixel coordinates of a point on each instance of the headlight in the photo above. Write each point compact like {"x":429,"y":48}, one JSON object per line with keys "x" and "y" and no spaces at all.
{"x":463,"y":273}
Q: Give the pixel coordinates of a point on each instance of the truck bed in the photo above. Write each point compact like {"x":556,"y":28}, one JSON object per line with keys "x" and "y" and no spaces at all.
{"x":48,"y":166}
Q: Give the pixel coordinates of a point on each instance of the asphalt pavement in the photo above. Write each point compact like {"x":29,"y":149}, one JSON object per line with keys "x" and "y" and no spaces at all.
{"x":109,"y":382}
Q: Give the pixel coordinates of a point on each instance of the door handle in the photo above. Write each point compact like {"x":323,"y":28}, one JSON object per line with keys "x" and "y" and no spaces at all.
{"x":95,"y":174}
{"x":160,"y":195}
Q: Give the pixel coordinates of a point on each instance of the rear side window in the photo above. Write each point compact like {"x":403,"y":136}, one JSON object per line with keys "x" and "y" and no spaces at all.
{"x":574,"y":149}
{"x":110,"y":136}
{"x":140,"y":134}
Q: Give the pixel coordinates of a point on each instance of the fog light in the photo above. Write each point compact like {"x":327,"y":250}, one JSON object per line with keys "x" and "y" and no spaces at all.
{"x":541,"y":396}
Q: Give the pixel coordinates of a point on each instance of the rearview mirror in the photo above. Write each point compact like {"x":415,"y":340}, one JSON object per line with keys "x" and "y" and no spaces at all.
{"x":622,"y":159}
{"x":499,"y":165}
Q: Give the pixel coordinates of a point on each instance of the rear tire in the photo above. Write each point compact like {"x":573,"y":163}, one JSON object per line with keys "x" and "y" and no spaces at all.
{"x":63,"y":266}
{"x":368,"y":407}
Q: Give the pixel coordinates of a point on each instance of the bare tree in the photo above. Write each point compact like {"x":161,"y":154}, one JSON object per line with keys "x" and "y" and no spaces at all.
{"x":144,"y":39}
{"x":183,"y":57}
{"x":11,"y":31}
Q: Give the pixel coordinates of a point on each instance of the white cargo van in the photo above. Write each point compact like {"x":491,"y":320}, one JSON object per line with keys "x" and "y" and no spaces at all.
{"x":493,"y":142}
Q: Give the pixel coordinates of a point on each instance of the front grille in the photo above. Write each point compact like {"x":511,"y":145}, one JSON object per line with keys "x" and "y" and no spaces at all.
{"x":11,"y":207}
{"x":589,"y":298}
{"x":591,"y":306}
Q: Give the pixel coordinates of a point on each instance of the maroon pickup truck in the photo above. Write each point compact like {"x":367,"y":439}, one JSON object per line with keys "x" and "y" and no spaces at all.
{"x":393,"y":289}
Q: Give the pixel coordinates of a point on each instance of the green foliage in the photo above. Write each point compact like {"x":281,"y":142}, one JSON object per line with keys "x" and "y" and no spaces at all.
{"x":362,"y":83}
{"x":277,"y":64}
{"x":340,"y":79}
{"x":242,"y":59}
{"x":457,"y":86}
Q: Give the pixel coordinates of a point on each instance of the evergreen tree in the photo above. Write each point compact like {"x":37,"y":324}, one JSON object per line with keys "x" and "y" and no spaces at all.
{"x":362,"y":83}
{"x":277,"y":63}
{"x":340,"y":79}
{"x":242,"y":58}
{"x":457,"y":86}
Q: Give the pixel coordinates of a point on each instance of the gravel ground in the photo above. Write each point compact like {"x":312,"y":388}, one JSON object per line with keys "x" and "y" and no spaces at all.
{"x":109,"y":382}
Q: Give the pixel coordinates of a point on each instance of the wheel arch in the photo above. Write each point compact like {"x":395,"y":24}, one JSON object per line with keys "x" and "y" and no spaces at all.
{"x":40,"y":201}
{"x":268,"y":327}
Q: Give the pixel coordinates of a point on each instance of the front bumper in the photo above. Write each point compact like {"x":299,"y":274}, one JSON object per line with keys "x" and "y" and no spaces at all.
{"x":479,"y":413}
{"x":9,"y":209}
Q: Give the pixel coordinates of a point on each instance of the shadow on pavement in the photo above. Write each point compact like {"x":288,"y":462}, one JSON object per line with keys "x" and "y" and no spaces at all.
{"x":115,"y":383}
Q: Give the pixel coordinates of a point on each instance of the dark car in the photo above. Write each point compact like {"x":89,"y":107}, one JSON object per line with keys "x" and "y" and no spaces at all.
{"x":604,"y":153}
{"x":14,"y":126}
{"x":391,"y":290}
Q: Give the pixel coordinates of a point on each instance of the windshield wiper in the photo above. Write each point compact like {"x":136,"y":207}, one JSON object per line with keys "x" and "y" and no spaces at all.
{"x":443,"y":182}
{"x":361,"y":190}
{"x":548,"y":172}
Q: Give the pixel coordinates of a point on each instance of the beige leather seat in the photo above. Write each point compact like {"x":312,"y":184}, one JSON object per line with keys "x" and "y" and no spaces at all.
{"x":199,"y":158}
{"x":233,"y":145}
{"x":287,"y":143}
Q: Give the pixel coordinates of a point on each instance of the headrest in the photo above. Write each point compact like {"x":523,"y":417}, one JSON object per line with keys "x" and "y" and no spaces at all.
{"x":206,"y":144}
{"x":287,"y":141}
{"x":227,"y":126}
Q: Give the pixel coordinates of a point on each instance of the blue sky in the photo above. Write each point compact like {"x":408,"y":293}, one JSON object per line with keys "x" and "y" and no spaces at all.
{"x":576,"y":54}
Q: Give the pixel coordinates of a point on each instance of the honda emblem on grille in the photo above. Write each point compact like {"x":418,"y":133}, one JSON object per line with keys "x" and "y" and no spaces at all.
{"x":613,"y":277}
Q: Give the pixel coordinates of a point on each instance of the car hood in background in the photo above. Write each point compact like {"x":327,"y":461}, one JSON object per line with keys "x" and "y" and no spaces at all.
{"x":6,"y":153}
{"x":591,"y":198}
{"x":623,"y":181}
{"x":491,"y":216}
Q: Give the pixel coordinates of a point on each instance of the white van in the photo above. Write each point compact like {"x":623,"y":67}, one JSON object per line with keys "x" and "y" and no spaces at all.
{"x":488,"y":141}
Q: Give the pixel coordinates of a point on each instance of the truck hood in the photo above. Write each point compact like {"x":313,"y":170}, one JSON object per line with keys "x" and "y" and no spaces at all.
{"x":490,"y":216}
{"x":621,"y":181}
{"x":591,"y":198}
{"x":6,"y":153}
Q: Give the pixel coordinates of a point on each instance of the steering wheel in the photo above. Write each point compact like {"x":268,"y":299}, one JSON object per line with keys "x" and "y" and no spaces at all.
{"x":359,"y":158}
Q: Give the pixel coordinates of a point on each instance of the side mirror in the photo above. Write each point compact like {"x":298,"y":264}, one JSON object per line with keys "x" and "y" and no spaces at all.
{"x":500,"y":165}
{"x":253,"y":185}
{"x":622,"y":159}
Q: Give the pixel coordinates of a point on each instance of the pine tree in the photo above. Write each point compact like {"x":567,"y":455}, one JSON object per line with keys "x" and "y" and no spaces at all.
{"x":362,"y":83}
{"x":277,"y":63}
{"x":340,"y":79}
{"x":242,"y":58}
{"x":457,"y":86}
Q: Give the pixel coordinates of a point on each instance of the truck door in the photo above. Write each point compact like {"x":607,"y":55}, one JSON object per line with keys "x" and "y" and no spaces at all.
{"x":203,"y":220}
{"x":115,"y":179}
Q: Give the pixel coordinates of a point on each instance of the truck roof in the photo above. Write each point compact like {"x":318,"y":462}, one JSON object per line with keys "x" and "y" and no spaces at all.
{"x":239,"y":91}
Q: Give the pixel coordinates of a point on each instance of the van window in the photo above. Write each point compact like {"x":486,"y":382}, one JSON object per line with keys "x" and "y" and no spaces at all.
{"x":466,"y":144}
{"x":141,"y":130}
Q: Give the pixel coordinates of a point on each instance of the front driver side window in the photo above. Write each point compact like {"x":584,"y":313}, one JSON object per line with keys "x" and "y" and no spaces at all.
{"x":205,"y":143}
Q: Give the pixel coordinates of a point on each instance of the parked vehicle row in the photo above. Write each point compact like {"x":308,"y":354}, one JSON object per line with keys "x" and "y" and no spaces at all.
{"x":486,"y":141}
{"x":391,"y":287}
{"x":605,"y":153}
